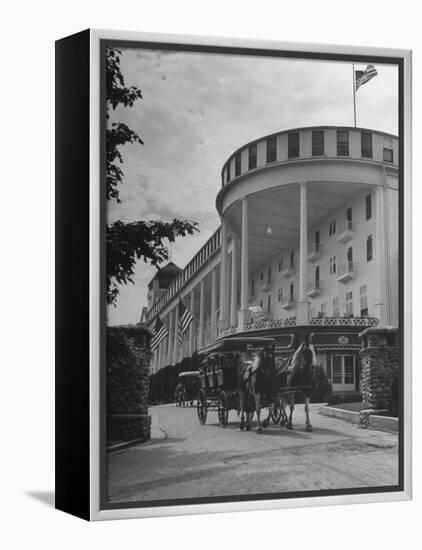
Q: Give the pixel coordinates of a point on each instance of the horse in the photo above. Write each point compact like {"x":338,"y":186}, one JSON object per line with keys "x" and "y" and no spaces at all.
{"x":298,"y":372}
{"x":256,"y":377}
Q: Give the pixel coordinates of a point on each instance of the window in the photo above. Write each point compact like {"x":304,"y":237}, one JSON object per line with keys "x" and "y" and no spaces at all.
{"x":237,"y":165}
{"x":369,"y":248}
{"x":332,"y":229}
{"x":317,"y":143}
{"x":228,"y":172}
{"x":252,"y":157}
{"x":349,"y":303}
{"x":336,"y":307}
{"x":343,"y":143}
{"x":269,"y":303}
{"x":269,"y":275}
{"x":262,"y":277}
{"x":317,"y":276}
{"x":261,"y":304}
{"x":271,"y":149}
{"x":323,"y":310}
{"x":252,"y":287}
{"x":293,"y":145}
{"x":349,"y":377}
{"x":280,"y":295}
{"x":349,"y":219}
{"x":292,"y":258}
{"x":342,"y":370}
{"x":366,"y":145}
{"x":368,"y":207}
{"x":280,"y":264}
{"x":333,"y":265}
{"x":292,"y":292}
{"x":363,"y":301}
{"x":387,"y":154}
{"x":350,"y":258}
{"x":316,"y":241}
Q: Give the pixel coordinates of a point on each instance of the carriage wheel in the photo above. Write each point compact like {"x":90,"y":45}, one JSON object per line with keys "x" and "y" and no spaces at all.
{"x":201,"y":407}
{"x":276,"y":410}
{"x":223,"y":411}
{"x":283,"y":419}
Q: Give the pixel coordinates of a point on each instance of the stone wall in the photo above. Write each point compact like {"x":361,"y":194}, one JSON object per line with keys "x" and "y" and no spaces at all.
{"x":128,"y":359}
{"x":380,"y":358}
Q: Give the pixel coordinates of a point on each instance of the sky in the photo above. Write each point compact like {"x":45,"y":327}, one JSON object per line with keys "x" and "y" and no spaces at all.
{"x":197,"y":108}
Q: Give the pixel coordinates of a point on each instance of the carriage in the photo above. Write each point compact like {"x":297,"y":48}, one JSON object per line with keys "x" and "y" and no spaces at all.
{"x":219,"y":388}
{"x":187,"y":387}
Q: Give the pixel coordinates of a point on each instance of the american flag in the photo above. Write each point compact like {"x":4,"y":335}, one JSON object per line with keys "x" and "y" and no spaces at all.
{"x":159,"y":332}
{"x":184,"y":320}
{"x":362,"y":77}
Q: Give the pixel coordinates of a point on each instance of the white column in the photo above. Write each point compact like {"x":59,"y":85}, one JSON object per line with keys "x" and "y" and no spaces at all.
{"x":213,"y":304}
{"x":176,"y":342}
{"x":192,"y":325}
{"x":303,"y":304}
{"x":201,"y":314}
{"x":233,"y":307}
{"x":244,"y":313}
{"x":223,"y":277}
{"x":170,"y":339}
{"x":380,"y":252}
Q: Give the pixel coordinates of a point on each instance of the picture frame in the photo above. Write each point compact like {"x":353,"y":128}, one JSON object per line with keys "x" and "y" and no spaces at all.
{"x":83,"y":416}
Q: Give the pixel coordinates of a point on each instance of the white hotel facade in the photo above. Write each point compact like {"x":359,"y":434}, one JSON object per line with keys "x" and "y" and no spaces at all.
{"x":308,"y":244}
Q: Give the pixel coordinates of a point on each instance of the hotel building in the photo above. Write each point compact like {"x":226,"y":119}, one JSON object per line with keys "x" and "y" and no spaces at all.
{"x":308,"y":244}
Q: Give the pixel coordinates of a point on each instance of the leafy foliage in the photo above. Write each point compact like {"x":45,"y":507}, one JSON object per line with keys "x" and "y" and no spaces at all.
{"x":129,"y":242}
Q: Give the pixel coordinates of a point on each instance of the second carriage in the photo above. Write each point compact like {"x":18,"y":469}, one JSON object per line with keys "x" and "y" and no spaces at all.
{"x":218,"y":377}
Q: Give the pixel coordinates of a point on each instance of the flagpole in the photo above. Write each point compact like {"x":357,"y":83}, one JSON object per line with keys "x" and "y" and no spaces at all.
{"x":354,"y":92}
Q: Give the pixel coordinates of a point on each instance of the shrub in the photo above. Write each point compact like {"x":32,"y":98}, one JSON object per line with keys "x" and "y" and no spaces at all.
{"x":321,"y":386}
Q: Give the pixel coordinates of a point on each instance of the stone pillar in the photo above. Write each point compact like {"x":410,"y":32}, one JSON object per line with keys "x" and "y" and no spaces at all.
{"x":380,"y":257}
{"x":214,"y":304}
{"x":170,"y":339}
{"x":380,"y":358}
{"x":201,"y":314}
{"x":233,"y":307}
{"x":223,"y":276}
{"x":192,"y":325}
{"x":244,"y":313}
{"x":302,"y":312}
{"x":176,"y":335}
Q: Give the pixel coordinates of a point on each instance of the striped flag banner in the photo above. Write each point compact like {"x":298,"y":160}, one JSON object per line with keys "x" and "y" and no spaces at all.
{"x":362,"y":77}
{"x":159,"y":332}
{"x":184,"y":320}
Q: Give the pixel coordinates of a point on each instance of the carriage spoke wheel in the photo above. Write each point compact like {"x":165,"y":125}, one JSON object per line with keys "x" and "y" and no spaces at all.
{"x":201,"y":407}
{"x":223,"y":411}
{"x":276,"y":411}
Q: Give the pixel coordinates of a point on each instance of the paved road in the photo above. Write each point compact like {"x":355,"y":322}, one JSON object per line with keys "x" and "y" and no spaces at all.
{"x":196,"y":461}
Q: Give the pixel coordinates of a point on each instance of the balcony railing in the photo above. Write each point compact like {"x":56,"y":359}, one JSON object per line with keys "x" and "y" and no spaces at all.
{"x":344,"y":321}
{"x":289,"y":270}
{"x":288,"y":302}
{"x":346,"y":272}
{"x":315,"y":288}
{"x":346,"y":232}
{"x":314,"y":252}
{"x":291,"y":322}
{"x":265,"y":286}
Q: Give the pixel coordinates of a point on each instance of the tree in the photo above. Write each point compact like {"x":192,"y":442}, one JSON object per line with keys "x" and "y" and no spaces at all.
{"x":129,"y":242}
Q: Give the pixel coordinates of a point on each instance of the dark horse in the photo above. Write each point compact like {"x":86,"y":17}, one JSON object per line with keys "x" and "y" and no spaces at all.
{"x":298,"y":373}
{"x":256,"y":376}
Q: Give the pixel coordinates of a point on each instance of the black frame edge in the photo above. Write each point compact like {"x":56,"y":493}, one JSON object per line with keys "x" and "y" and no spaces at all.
{"x":72,"y":420}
